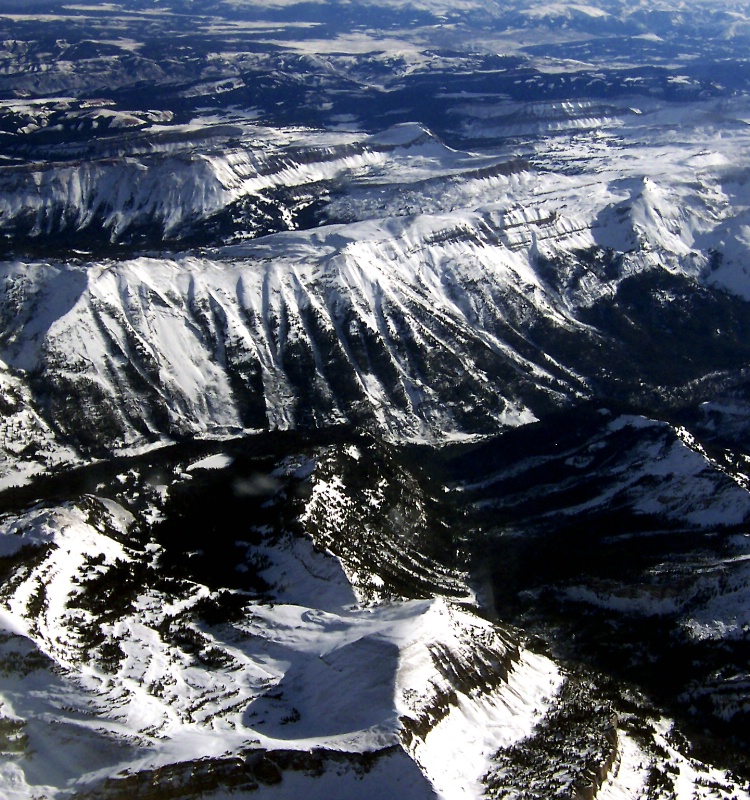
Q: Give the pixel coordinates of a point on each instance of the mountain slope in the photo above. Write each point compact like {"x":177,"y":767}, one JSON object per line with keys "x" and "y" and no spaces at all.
{"x":627,"y":537}
{"x":222,"y":619}
{"x":431,"y":292}
{"x":374,"y":400}
{"x":148,"y":662}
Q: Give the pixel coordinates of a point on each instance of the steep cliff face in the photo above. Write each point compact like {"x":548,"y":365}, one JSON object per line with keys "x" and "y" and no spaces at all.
{"x":170,"y":192}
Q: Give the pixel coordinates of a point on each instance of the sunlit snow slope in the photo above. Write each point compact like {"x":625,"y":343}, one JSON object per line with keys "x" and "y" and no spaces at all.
{"x":463,"y":293}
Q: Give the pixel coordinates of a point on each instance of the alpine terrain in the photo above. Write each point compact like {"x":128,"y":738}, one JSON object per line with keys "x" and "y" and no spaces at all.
{"x":374,"y":400}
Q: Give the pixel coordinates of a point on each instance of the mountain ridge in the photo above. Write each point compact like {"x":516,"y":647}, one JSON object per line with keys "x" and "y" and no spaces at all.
{"x":374,"y":401}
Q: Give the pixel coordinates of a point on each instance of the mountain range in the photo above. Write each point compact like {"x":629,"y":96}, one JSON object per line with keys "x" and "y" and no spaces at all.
{"x":374,"y":400}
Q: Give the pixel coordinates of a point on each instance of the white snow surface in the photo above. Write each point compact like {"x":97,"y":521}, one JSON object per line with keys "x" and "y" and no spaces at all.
{"x":670,"y":474}
{"x":692,"y":780}
{"x":292,"y":676}
{"x":457,"y":752}
{"x":217,"y":461}
{"x":441,"y":248}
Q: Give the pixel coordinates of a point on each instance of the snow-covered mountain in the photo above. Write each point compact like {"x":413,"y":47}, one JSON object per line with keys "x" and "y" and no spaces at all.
{"x":374,"y":400}
{"x":308,"y":647}
{"x":467,"y":292}
{"x":191,"y":672}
